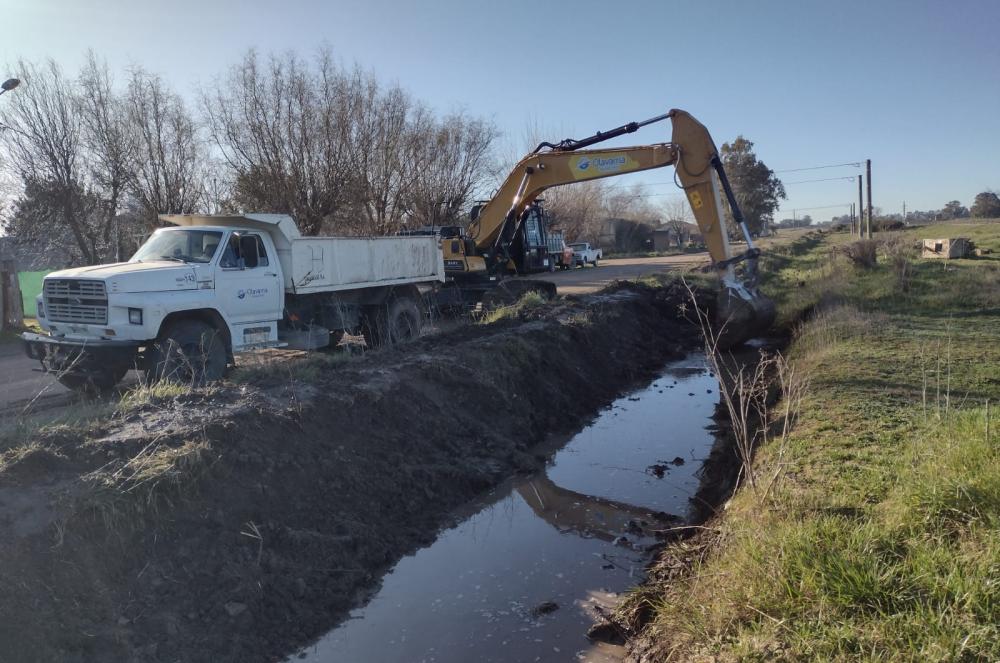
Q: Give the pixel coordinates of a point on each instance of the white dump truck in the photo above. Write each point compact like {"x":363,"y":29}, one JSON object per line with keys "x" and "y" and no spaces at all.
{"x":211,"y":286}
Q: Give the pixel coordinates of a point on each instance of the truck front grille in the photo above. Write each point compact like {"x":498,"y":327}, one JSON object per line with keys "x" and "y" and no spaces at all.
{"x":74,"y":300}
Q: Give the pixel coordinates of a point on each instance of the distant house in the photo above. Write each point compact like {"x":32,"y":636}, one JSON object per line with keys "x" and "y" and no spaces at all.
{"x":625,"y":236}
{"x":666,"y":238}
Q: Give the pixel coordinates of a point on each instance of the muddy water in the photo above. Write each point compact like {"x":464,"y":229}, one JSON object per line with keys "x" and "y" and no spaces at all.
{"x":518,"y":578}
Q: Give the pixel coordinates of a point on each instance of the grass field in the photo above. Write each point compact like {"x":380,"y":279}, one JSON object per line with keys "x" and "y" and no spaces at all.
{"x":874,"y":529}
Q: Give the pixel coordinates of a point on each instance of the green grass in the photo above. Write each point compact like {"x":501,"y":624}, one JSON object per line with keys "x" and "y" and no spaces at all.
{"x":879,"y":536}
{"x":529,"y":301}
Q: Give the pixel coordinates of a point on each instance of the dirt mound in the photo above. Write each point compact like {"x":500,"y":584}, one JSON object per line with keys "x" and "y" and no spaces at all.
{"x":239,"y":524}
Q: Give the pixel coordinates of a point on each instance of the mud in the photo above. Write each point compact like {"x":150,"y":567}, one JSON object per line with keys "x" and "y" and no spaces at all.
{"x":239,"y":524}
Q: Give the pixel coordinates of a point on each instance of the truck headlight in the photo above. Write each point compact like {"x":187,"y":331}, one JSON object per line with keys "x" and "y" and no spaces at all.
{"x":40,"y":310}
{"x":135,"y":316}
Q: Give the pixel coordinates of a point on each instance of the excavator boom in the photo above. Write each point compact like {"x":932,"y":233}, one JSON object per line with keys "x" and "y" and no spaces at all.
{"x":699,"y":171}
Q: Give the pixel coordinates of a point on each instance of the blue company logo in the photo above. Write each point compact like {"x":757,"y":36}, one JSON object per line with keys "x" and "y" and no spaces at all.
{"x":583,"y":164}
{"x":252,"y":292}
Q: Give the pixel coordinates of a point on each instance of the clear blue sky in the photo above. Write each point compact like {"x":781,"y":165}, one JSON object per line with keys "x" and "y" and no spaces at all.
{"x":913,"y":85}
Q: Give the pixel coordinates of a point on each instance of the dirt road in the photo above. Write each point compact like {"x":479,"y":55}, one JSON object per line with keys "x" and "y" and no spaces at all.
{"x":21,"y":383}
{"x":583,"y":280}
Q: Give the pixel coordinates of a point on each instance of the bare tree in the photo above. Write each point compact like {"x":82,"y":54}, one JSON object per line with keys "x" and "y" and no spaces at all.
{"x":281,"y":128}
{"x":169,"y":170}
{"x":676,"y":209}
{"x":382,"y":152}
{"x":110,"y":144}
{"x":455,"y":165}
{"x":44,"y":143}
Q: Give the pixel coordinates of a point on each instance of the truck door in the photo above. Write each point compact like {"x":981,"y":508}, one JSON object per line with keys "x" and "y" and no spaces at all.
{"x":248,"y":283}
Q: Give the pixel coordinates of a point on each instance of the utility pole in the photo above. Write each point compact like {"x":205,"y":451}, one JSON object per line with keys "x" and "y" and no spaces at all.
{"x":861,"y":212}
{"x":904,"y":212}
{"x":868,"y":172}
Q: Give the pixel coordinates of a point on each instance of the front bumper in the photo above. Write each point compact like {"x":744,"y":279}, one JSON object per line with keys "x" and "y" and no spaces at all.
{"x":59,"y":355}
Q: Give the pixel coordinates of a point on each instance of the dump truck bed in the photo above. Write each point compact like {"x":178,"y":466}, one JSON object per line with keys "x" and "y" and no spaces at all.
{"x":329,"y":264}
{"x":326,"y":264}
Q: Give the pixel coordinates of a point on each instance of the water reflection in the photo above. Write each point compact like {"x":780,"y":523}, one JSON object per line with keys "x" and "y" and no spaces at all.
{"x":573,"y":535}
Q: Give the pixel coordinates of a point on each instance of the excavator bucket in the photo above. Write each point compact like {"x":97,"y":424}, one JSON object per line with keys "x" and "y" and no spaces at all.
{"x":742,"y":312}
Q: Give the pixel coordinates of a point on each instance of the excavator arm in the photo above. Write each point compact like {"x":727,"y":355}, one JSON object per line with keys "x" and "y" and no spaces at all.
{"x":699,"y":172}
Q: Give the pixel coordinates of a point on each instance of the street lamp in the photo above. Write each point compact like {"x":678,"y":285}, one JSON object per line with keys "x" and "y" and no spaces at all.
{"x":9,"y":84}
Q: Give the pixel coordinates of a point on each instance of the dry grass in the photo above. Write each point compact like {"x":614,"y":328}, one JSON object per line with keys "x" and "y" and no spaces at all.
{"x":124,"y":494}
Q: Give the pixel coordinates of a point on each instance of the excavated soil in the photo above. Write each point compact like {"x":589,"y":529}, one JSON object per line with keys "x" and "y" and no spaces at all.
{"x":241,"y":523}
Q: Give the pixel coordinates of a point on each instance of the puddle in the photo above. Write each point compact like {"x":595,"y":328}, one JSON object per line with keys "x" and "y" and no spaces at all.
{"x":520,"y":575}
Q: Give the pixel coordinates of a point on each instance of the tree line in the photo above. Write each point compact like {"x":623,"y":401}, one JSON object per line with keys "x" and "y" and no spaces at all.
{"x":93,"y":160}
{"x":92,"y":157}
{"x":986,"y":205}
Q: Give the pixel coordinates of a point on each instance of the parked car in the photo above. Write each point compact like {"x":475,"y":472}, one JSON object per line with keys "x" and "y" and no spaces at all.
{"x":584,"y":253}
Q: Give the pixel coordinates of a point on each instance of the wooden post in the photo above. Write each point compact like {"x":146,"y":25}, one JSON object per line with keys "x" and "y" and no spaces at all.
{"x":861,"y":212}
{"x":868,"y":170}
{"x":13,"y":310}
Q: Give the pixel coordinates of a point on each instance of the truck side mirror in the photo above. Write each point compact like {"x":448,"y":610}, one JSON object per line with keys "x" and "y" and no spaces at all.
{"x":248,"y":251}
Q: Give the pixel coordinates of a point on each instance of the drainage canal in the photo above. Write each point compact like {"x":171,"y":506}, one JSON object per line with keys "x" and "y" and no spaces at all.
{"x":521,"y":574}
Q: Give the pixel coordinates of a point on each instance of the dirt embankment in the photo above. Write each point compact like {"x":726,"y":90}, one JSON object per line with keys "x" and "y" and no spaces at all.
{"x":237,"y":525}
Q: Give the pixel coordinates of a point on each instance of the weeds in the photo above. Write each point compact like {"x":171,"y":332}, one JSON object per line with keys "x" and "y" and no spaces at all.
{"x":529,"y":301}
{"x":122,"y":495}
{"x":295,"y":369}
{"x":862,"y":253}
{"x":746,"y":390}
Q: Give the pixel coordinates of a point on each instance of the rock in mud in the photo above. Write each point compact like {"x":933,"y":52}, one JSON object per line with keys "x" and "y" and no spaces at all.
{"x":658,"y":470}
{"x":544,"y":608}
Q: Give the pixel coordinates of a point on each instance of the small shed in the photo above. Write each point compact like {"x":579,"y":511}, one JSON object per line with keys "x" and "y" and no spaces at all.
{"x":957,"y":247}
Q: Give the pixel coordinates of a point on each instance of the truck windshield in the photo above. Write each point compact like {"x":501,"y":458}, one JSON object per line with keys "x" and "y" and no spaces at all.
{"x":180,"y":245}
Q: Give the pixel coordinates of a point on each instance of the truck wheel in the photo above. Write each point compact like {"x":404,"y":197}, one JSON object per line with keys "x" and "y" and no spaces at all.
{"x":190,"y":352}
{"x":595,"y":261}
{"x":93,"y":383}
{"x":398,"y":321}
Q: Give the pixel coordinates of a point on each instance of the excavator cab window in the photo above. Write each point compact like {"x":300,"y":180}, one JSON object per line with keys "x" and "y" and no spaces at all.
{"x":532,"y":230}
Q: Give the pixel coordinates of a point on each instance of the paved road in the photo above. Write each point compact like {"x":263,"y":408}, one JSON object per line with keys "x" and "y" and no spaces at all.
{"x":20,"y":384}
{"x":582,"y":280}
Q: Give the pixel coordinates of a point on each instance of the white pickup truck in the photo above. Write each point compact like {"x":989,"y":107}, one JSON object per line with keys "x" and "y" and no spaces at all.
{"x":195,"y":294}
{"x":584,"y":253}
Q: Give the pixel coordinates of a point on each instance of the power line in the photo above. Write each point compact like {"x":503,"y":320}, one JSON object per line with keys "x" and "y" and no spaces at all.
{"x":619,"y":185}
{"x":806,"y":209}
{"x":825,"y":179}
{"x":856,"y":164}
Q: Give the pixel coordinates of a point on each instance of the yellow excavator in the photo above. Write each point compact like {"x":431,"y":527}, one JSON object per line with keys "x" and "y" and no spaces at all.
{"x":492,"y":246}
